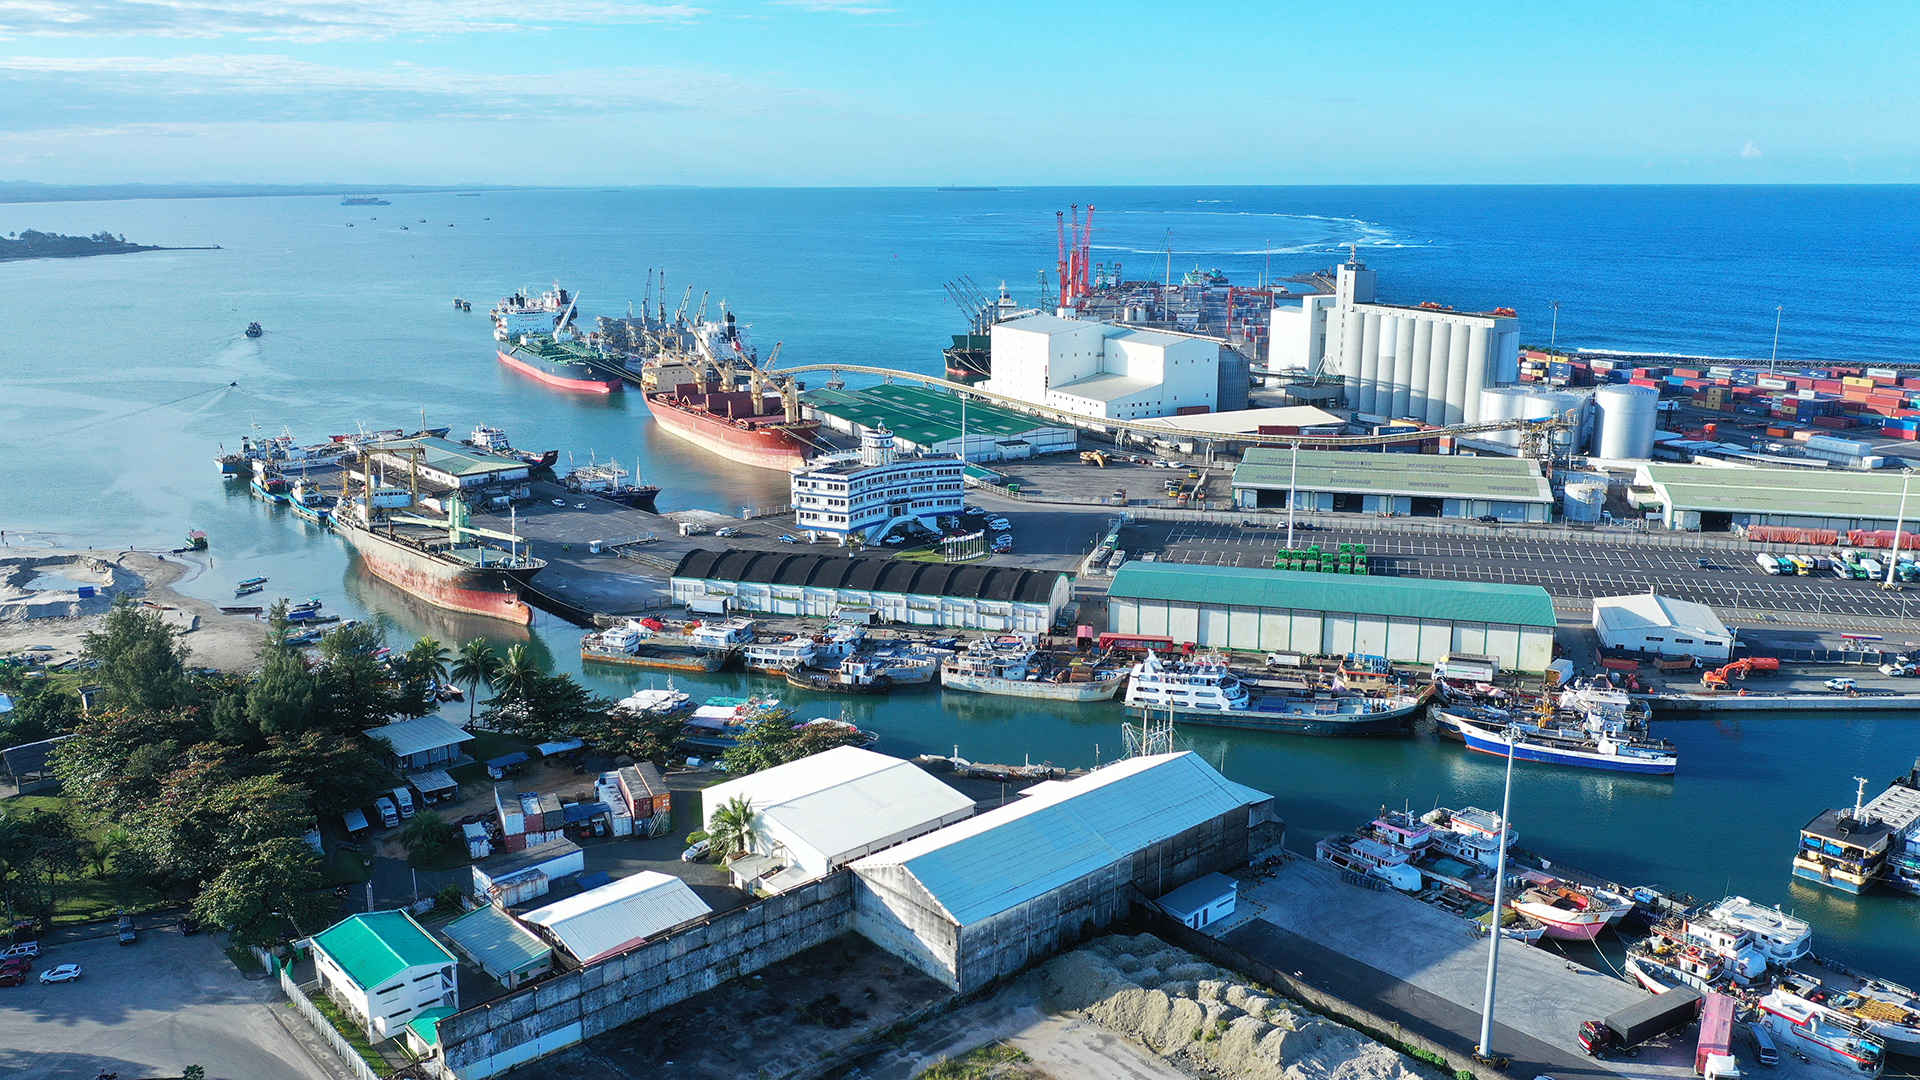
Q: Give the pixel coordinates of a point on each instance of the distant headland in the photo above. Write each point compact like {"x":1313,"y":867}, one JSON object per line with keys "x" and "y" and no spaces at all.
{"x":31,"y":244}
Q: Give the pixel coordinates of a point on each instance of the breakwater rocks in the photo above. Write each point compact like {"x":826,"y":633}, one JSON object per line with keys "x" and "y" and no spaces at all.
{"x":1192,"y":1012}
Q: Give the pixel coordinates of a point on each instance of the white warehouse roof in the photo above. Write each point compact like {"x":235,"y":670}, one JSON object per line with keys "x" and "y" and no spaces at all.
{"x":846,"y":802}
{"x":602,"y":921}
{"x":1646,"y":611}
{"x":410,"y":737}
{"x":1007,"y":856}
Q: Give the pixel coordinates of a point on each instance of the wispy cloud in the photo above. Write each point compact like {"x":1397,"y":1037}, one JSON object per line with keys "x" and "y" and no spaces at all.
{"x":1749,"y":151}
{"x":318,"y":20}
{"x":68,"y":92}
{"x":843,"y":7}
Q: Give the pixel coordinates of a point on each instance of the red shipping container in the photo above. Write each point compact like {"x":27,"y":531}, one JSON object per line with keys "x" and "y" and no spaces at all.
{"x":1836,"y":423}
{"x":1686,"y":373}
{"x":1829,"y":386}
{"x":1645,"y":382}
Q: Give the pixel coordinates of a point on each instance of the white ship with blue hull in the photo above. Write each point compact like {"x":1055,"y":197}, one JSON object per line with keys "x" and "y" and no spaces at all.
{"x":1616,"y":752}
{"x":1206,"y":691}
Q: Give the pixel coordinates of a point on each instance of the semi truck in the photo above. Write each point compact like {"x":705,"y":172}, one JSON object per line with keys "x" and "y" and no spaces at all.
{"x":1627,"y":1029}
{"x":1713,"y":1055}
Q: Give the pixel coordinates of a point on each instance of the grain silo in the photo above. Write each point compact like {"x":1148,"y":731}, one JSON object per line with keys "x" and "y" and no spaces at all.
{"x":1501,"y":403}
{"x":1625,"y":419}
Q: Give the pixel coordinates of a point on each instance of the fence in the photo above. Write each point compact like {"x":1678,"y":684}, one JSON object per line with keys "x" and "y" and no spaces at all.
{"x":343,"y":1051}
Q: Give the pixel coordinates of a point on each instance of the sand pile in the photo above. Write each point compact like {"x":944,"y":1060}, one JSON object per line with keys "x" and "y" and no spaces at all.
{"x":1180,"y":1006}
{"x":53,"y":598}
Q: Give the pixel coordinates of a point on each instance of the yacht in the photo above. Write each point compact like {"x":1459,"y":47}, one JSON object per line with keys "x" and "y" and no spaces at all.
{"x":1780,"y":937}
{"x":780,"y":657}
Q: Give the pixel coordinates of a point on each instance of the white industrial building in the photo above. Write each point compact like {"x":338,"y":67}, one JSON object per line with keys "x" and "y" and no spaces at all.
{"x":1418,"y":620}
{"x":965,"y":596}
{"x":1421,"y":362}
{"x":870,"y":492}
{"x":1104,"y":371}
{"x":1660,"y":625}
{"x":983,"y":898}
{"x":815,"y":815}
{"x":598,"y":923}
{"x":385,"y":970}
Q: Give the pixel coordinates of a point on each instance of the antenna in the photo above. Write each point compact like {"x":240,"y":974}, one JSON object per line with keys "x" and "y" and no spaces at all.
{"x":1859,"y":797}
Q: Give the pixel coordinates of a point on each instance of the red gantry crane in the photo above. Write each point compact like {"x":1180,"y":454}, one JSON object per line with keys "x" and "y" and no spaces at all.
{"x":1074,"y":238}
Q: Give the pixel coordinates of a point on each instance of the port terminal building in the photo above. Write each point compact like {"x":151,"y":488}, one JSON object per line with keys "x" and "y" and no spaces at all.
{"x":1413,"y":620}
{"x":984,"y":897}
{"x":1714,"y":498}
{"x":953,"y":595}
{"x":1105,"y":371}
{"x":868,"y":492}
{"x":927,"y":421}
{"x":1660,"y":625}
{"x":446,"y":466}
{"x":1416,"y":485}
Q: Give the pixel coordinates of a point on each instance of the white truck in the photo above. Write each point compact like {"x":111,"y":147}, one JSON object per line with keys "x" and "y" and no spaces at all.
{"x":389,"y":814}
{"x":403,"y":798}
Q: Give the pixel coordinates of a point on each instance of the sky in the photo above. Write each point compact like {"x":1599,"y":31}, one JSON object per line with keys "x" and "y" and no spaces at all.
{"x":989,"y":92}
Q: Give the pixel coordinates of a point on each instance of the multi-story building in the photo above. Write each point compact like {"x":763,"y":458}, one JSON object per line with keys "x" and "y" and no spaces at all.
{"x":871,"y":492}
{"x":386,"y":971}
{"x":1101,"y":370}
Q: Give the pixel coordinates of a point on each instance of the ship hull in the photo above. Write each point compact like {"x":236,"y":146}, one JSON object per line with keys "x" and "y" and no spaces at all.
{"x":1046,"y":691}
{"x":669,"y":660}
{"x":1560,"y":925}
{"x":475,"y":591}
{"x":565,"y":382}
{"x":779,"y":448}
{"x":1383,"y":722}
{"x":1843,"y":880}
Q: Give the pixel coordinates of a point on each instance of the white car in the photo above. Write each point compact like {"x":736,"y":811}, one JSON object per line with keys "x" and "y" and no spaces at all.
{"x":63,"y":973}
{"x":726,"y":531}
{"x":1000,"y":524}
{"x":1842,"y":684}
{"x":559,"y":502}
{"x":697,"y":851}
{"x":1896,"y":670}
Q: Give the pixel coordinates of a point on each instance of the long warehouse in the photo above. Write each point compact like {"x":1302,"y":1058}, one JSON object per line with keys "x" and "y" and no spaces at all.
{"x":1416,"y":485}
{"x":924,"y":421}
{"x":1417,"y":620}
{"x":1713,"y":498}
{"x":969,"y":597}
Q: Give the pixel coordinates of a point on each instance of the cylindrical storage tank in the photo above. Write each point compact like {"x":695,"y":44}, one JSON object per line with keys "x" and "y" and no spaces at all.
{"x":1583,"y":500}
{"x":1500,"y":403}
{"x":1541,"y":404}
{"x":1625,"y":418}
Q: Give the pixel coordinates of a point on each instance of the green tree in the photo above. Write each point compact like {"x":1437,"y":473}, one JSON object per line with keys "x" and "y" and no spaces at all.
{"x":286,"y":696}
{"x":773,"y":740}
{"x":731,"y":828}
{"x":208,"y":814}
{"x":265,"y":891}
{"x":476,"y":667}
{"x":142,"y":664}
{"x":429,"y":836}
{"x":428,"y":659}
{"x":336,"y":768}
{"x":40,"y":711}
{"x":517,"y":670}
{"x":118,"y":759}
{"x":549,"y":707}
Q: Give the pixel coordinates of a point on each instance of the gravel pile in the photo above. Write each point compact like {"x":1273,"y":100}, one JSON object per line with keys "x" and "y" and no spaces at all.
{"x":1182,"y":1007}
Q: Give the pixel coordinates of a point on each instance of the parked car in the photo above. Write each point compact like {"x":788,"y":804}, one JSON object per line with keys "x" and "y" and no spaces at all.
{"x":13,"y":977}
{"x":1488,"y":519}
{"x":25,"y":948}
{"x":727,"y":531}
{"x":1706,"y":564}
{"x":128,"y":935}
{"x":1842,"y":684}
{"x":697,"y":851}
{"x":1000,"y":524}
{"x":789,"y":538}
{"x":63,"y":973}
{"x":189,"y":926}
{"x":18,"y":963}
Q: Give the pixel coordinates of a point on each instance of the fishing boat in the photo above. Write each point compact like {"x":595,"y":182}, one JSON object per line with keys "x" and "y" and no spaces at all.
{"x":1851,"y":848}
{"x":1888,"y":1012}
{"x":779,"y":657}
{"x":249,"y":582}
{"x":655,"y":703}
{"x":254,"y":330}
{"x":1782,"y":939}
{"x":310,"y":504}
{"x":854,"y":675}
{"x":1204,"y":690}
{"x":1472,"y":834}
{"x":1819,"y":1033}
{"x":1369,"y":858}
{"x":311,"y":603}
{"x":230,"y":610}
{"x":609,"y":481}
{"x":247,"y":590}
{"x":1013,"y":667}
{"x":1610,"y":749}
{"x":639,"y":646}
{"x":839,"y":726}
{"x":1699,"y":951}
{"x":1570,"y":913}
{"x":719,"y":722}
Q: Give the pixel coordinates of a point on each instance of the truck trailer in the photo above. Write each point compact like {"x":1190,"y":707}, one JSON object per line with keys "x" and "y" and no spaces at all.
{"x":1640,"y":1021}
{"x":1713,"y":1057}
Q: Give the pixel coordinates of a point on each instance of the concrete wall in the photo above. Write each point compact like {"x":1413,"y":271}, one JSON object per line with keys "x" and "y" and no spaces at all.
{"x":574,"y":1005}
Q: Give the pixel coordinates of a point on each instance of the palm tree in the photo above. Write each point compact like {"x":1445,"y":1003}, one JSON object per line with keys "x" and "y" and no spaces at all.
{"x":427,"y":659}
{"x":515,"y":672}
{"x":477,"y":666}
{"x":731,"y":828}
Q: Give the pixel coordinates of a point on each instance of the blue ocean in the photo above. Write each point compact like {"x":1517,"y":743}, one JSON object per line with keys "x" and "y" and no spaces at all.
{"x":121,"y":377}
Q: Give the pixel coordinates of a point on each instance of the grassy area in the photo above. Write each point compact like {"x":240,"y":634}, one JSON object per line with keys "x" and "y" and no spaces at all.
{"x":91,"y":895}
{"x":994,"y":1061}
{"x":346,"y":867}
{"x":486,"y":746}
{"x":352,"y":1032}
{"x":244,"y":959}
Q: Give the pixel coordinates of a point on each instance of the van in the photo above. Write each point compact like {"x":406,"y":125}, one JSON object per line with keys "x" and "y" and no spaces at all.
{"x":403,"y":798}
{"x":1763,"y":1047}
{"x":128,"y":935}
{"x":389,"y":814}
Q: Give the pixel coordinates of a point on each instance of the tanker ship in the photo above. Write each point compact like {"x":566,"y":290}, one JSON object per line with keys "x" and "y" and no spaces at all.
{"x":558,"y":362}
{"x":444,"y":562}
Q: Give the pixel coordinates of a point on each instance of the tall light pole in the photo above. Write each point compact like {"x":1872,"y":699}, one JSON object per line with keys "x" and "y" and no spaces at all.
{"x":1899,"y":523}
{"x":1778,"y":308}
{"x":1499,"y":905}
{"x":1293,"y":480}
{"x":1553,"y":338}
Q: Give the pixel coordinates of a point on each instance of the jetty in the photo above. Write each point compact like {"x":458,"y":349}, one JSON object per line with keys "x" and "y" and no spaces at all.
{"x":1680,"y":706}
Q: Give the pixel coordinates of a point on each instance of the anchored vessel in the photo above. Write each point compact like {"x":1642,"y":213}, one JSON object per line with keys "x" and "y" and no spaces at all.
{"x":728,"y":403}
{"x":1205,"y":691}
{"x":1851,"y":848}
{"x":1014,"y":668}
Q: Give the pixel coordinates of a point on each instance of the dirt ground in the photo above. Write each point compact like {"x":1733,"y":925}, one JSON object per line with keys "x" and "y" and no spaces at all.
{"x":227,"y":642}
{"x":787,"y":1017}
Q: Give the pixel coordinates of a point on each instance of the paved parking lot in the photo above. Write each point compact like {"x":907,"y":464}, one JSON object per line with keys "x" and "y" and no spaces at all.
{"x":149,"y":1009}
{"x":1574,"y":569}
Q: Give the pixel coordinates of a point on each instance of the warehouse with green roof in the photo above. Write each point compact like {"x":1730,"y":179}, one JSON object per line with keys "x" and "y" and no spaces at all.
{"x":927,"y":421}
{"x":1415,"y":620}
{"x":1714,"y":498}
{"x":1415,"y":485}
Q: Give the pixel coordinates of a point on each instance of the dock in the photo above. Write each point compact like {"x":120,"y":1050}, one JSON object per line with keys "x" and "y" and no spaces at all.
{"x":1422,"y":971}
{"x":1680,"y":706}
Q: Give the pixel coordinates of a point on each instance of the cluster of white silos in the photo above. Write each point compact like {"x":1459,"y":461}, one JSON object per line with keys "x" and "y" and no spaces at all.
{"x":1625,"y":418}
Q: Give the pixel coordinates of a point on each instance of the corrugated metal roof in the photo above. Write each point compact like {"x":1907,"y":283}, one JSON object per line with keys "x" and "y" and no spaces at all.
{"x":1498,"y":479}
{"x":1182,"y":902}
{"x":419,"y":735}
{"x":1000,"y":859}
{"x":447,"y":456}
{"x":605,"y":920}
{"x":921,"y":416}
{"x":870,"y":575}
{"x":496,"y":941}
{"x":1409,"y":598}
{"x":1817,"y":493}
{"x":846,"y":801}
{"x":374,"y":947}
{"x":1645,"y":611}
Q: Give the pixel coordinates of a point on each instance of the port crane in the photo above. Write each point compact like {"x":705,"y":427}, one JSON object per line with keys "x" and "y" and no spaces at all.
{"x":1074,"y":237}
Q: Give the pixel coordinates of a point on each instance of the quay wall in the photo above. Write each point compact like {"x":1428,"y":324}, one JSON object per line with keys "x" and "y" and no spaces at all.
{"x":578,"y":1004}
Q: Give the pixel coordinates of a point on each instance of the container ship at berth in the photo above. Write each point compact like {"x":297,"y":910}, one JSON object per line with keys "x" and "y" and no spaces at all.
{"x":445,"y":562}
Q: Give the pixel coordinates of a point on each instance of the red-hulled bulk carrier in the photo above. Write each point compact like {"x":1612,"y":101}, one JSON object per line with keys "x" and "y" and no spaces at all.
{"x":444,"y":562}
{"x":762,"y":430}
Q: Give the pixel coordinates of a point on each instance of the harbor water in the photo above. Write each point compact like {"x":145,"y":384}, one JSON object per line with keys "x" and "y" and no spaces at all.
{"x":115,"y":395}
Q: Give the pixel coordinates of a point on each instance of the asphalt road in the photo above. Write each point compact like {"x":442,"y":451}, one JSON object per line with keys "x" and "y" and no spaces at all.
{"x":1578,"y":569}
{"x":148,"y":1009}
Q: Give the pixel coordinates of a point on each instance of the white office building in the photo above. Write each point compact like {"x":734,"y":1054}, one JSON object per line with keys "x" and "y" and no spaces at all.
{"x":1101,"y":370}
{"x":870,"y":492}
{"x":1661,"y":625}
{"x":1420,"y":362}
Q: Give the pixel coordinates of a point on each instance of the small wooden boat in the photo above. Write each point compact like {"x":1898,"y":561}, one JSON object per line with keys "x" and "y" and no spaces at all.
{"x":242,"y":610}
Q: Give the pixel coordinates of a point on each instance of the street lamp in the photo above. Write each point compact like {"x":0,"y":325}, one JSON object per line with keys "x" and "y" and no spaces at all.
{"x":1899,"y":523}
{"x":1293,"y":477}
{"x":1776,"y":337}
{"x":1499,"y":903}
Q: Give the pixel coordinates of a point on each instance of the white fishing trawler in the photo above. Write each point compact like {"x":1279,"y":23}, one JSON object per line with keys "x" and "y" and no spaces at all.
{"x":1809,"y":1028}
{"x":1204,"y":690}
{"x":1015,"y":668}
{"x":780,"y":657}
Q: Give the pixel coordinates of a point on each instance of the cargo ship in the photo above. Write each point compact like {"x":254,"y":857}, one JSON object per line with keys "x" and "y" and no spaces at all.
{"x":444,"y":562}
{"x":970,"y":357}
{"x":543,"y":314}
{"x":723,"y":401}
{"x":363,"y":200}
{"x":557,"y":362}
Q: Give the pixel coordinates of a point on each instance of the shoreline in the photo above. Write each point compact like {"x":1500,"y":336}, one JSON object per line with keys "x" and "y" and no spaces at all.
{"x":213,"y":639}
{"x":131,"y":249}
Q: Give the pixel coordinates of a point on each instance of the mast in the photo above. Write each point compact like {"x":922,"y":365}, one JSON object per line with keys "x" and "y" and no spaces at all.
{"x":1485,"y":1049}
